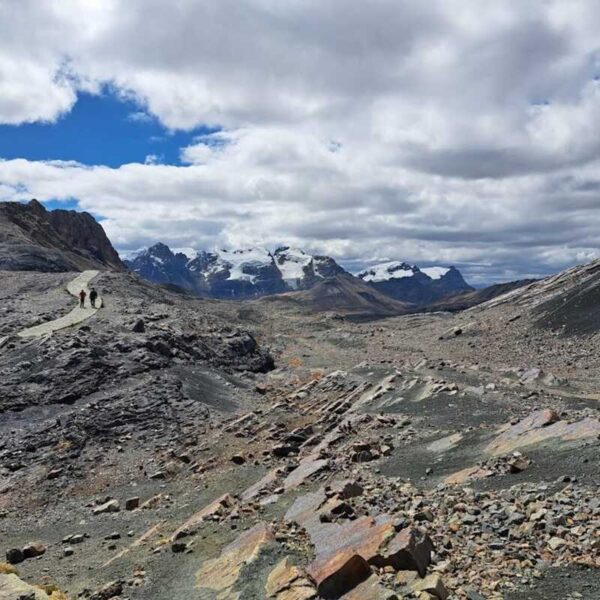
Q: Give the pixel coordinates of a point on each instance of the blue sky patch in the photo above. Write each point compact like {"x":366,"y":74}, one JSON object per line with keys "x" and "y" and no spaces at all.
{"x":100,"y":130}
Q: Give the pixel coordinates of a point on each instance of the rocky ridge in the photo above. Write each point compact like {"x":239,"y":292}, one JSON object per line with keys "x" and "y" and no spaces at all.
{"x":35,"y":239}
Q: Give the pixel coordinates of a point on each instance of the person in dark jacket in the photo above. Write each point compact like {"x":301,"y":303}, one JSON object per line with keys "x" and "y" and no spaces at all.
{"x":82,"y":296}
{"x":93,"y":296}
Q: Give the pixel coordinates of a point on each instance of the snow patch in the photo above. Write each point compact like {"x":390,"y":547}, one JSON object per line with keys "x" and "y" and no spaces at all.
{"x":388,"y":270}
{"x":190,"y":253}
{"x":435,"y":272}
{"x":291,"y":263}
{"x":240,"y":260}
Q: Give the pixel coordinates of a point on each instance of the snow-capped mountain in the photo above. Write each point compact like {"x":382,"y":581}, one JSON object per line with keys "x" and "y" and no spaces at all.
{"x":240,"y":273}
{"x":251,"y":272}
{"x":410,"y":283}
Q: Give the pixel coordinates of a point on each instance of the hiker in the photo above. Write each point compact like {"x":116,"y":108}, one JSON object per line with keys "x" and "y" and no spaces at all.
{"x":93,"y":296}
{"x":82,"y":296}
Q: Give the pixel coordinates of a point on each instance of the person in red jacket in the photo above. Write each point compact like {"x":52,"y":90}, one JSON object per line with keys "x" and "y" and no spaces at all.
{"x":82,"y":296}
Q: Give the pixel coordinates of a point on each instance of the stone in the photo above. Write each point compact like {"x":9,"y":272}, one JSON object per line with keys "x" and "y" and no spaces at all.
{"x":178,"y":547}
{"x":110,"y":590}
{"x":132,"y":503}
{"x":344,"y":552}
{"x":33,"y":550}
{"x":14,"y":556}
{"x":68,"y":551}
{"x":238,"y":459}
{"x":518,"y":464}
{"x":54,"y":473}
{"x":371,"y":589}
{"x":111,"y":506}
{"x":344,"y":572}
{"x":139,"y":327}
{"x":12,"y":587}
{"x":288,"y":582}
{"x":554,"y":543}
{"x":431,"y":584}
{"x":221,"y":574}
{"x":409,"y":549}
{"x":283,"y":450}
{"x":405,"y":577}
{"x":345,"y":489}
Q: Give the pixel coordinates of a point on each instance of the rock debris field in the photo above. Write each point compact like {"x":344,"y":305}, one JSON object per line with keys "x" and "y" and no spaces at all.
{"x":178,"y":448}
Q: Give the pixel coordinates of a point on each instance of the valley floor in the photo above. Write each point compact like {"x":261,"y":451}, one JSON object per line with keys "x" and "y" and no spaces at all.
{"x":426,"y":456}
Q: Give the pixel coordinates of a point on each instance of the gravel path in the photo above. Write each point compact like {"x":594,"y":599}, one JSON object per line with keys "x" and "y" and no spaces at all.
{"x":77,"y":315}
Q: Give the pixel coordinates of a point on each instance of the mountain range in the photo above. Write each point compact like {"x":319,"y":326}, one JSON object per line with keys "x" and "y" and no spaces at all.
{"x":252,"y":272}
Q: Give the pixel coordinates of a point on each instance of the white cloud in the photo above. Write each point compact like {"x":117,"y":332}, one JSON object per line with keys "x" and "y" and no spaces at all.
{"x":443,"y":131}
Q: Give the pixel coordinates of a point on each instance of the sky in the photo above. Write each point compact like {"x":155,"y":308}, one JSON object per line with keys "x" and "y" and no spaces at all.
{"x":442,"y":132}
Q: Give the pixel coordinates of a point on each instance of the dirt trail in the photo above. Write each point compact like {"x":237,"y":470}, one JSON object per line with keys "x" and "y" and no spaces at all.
{"x":77,"y":315}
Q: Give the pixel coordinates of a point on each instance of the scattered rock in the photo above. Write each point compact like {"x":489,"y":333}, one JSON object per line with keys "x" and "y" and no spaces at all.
{"x":33,"y":550}
{"x":132,"y":503}
{"x":111,"y":506}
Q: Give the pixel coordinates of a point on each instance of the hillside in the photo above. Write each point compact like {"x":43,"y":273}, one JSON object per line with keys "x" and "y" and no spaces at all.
{"x":344,"y":295}
{"x":35,"y":239}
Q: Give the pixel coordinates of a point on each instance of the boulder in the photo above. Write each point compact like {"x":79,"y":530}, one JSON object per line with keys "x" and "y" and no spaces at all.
{"x":433,"y":585}
{"x":111,"y":506}
{"x":33,"y":550}
{"x":14,"y":588}
{"x":410,"y":549}
{"x":14,"y":556}
{"x":288,"y":582}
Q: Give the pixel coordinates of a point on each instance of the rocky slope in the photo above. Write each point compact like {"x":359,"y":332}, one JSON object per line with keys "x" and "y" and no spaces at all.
{"x":431,"y":456}
{"x":344,"y":296}
{"x":462,"y":301}
{"x":411,"y":284}
{"x":32,"y":238}
{"x":234,"y":274}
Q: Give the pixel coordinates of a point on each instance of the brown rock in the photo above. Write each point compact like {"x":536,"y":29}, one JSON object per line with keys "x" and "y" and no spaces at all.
{"x":343,"y":552}
{"x":287,"y":582}
{"x":33,"y":550}
{"x":110,"y":590}
{"x":410,"y":549}
{"x":432,"y":584}
{"x":342,"y":573}
{"x":345,"y":489}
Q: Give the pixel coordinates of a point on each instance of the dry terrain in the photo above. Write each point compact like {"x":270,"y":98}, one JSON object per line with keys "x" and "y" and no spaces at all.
{"x":176,"y":448}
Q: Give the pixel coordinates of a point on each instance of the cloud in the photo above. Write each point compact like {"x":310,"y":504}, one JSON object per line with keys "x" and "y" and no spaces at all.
{"x":448,"y":131}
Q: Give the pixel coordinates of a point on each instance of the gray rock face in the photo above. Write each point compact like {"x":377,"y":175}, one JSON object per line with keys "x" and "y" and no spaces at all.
{"x":34,"y":239}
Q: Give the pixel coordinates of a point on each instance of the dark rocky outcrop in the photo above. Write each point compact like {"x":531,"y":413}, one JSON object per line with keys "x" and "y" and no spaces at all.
{"x":35,"y":239}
